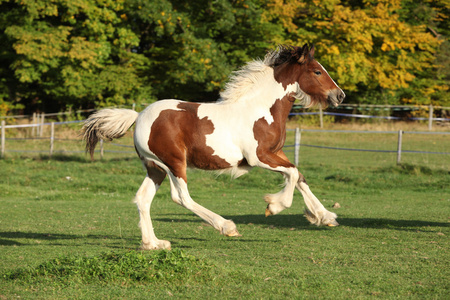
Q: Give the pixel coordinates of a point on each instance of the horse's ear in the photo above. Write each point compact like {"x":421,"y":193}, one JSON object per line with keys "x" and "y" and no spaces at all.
{"x":304,"y":54}
{"x":311,"y":52}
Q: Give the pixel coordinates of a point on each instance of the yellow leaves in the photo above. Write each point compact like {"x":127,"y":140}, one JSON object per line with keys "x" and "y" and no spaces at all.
{"x":40,"y":8}
{"x":369,"y":45}
{"x":333,"y":50}
{"x":285,"y":11}
{"x":387,"y":46}
{"x":42,"y":45}
{"x":83,"y":50}
{"x":216,"y":84}
{"x":391,"y":76}
{"x":4,"y":108}
{"x":326,"y":4}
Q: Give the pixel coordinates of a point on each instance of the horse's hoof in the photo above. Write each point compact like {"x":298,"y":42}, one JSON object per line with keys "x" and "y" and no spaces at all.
{"x":333,"y":223}
{"x":229,"y":229}
{"x":233,"y":233}
{"x":268,"y":212}
{"x":159,"y":245}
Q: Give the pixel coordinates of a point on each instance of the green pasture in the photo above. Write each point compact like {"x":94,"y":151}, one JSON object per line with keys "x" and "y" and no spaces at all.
{"x":68,"y":227}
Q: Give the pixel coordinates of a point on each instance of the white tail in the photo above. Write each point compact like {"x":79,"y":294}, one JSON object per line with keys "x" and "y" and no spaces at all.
{"x":107,"y":124}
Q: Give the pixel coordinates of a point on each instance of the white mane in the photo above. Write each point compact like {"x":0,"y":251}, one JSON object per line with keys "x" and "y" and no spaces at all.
{"x":241,"y":82}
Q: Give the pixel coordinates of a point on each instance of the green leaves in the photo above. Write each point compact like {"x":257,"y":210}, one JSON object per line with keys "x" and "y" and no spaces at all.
{"x":74,"y":52}
{"x":60,"y":53}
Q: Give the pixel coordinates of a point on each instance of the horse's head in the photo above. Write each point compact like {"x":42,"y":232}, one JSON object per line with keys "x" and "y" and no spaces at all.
{"x":296,"y":65}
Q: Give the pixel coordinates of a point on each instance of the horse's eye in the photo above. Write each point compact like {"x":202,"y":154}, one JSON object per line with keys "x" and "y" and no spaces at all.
{"x":318,"y":73}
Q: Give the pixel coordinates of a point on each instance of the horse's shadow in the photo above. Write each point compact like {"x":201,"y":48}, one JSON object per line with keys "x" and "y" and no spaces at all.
{"x":404,"y":225}
{"x":61,"y":157}
{"x":10,"y":238}
{"x":297,"y":221}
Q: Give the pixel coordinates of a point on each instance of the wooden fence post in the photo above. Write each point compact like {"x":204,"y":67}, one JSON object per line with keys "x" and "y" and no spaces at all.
{"x":3,"y":138}
{"x":399,"y":147}
{"x":101,"y":148}
{"x":321,"y":116}
{"x":52,"y":137}
{"x":33,"y":129}
{"x":41,"y":132}
{"x":430,"y":118}
{"x":36,"y":122}
{"x":298,"y":137}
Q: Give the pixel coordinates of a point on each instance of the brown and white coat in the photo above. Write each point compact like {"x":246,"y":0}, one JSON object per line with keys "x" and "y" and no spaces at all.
{"x":246,"y":128}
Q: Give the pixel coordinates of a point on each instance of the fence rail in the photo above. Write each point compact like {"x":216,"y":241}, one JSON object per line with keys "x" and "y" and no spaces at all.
{"x":399,"y":150}
{"x":297,"y":141}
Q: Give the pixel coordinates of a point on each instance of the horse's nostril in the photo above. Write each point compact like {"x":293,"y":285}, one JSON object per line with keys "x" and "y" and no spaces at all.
{"x":341,"y":97}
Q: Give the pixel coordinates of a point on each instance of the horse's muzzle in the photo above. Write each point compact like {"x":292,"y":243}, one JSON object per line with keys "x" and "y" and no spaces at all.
{"x":335,"y":97}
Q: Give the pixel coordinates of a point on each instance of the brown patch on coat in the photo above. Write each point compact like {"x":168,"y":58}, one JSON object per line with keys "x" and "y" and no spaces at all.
{"x":301,"y":178}
{"x":243,"y":163}
{"x":287,"y":74}
{"x":271,"y":137}
{"x":178,"y":139}
{"x":155,"y":172}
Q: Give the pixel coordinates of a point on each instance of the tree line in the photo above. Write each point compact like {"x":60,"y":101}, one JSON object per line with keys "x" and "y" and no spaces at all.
{"x":61,"y":54}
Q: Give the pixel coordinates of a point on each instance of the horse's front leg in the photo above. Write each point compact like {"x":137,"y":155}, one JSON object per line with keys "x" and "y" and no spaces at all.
{"x":283,"y":199}
{"x":315,"y":212}
{"x":280,"y":163}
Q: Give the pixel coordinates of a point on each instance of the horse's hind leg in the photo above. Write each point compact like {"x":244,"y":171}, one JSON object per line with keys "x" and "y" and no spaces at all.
{"x":315,"y":212}
{"x":143,"y":200}
{"x":180,"y":195}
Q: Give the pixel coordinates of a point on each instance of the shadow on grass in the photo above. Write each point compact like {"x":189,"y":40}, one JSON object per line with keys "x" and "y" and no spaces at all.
{"x":64,"y":158}
{"x":81,"y":158}
{"x":299,"y":222}
{"x":408,"y":225}
{"x":8,"y":238}
{"x":280,"y":221}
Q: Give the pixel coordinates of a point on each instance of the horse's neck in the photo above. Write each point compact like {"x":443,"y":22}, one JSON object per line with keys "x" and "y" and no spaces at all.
{"x":259,"y":105}
{"x":264,"y":94}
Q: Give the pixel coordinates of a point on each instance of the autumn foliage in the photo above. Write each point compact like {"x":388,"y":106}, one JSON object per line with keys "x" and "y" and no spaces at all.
{"x":56,"y":54}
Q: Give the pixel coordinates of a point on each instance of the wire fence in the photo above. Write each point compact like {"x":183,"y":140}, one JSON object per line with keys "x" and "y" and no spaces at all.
{"x":295,"y":147}
{"x":406,"y":113}
{"x":396,"y":112}
{"x":399,"y":149}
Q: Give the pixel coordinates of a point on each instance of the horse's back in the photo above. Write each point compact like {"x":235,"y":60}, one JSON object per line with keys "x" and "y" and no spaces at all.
{"x":177,"y":132}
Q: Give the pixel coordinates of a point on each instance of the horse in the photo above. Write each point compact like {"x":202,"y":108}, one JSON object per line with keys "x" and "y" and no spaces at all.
{"x":244,"y":128}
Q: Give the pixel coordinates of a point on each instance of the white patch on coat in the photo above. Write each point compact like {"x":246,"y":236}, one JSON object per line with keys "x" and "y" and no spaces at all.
{"x":234,"y":117}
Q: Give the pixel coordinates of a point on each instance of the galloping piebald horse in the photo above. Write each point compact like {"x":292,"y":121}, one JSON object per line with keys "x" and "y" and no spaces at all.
{"x":245,"y":128}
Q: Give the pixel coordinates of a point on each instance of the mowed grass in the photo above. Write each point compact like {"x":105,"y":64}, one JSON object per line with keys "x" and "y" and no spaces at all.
{"x":68,"y":229}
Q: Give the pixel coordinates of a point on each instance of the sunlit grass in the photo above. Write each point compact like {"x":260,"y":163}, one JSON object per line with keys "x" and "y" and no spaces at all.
{"x":391,"y":243}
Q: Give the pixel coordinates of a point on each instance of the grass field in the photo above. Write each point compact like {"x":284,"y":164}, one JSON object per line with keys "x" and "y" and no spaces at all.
{"x":68,"y":229}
